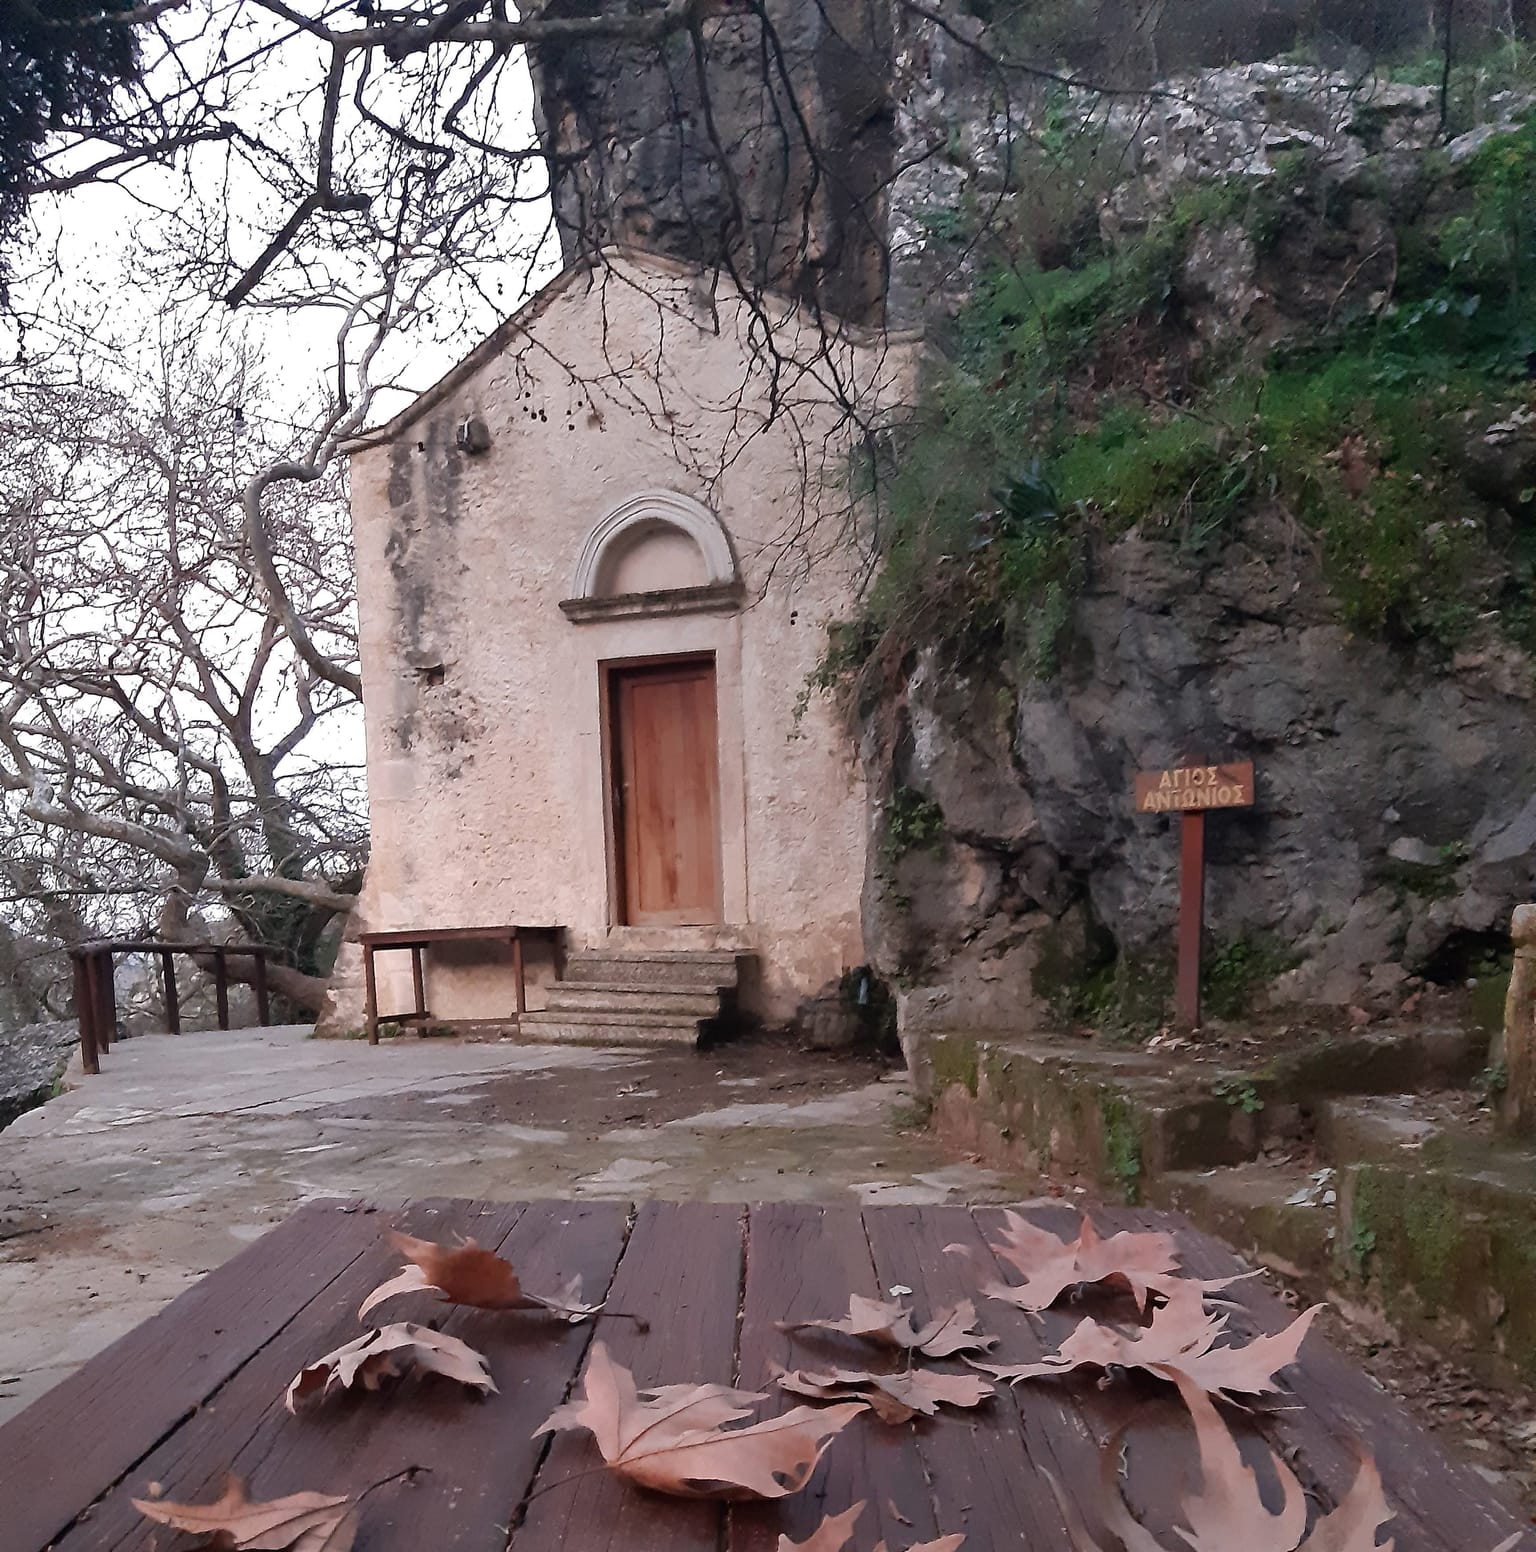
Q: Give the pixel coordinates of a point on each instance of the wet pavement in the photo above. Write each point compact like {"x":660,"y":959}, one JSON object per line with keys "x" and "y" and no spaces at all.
{"x":122,"y":1191}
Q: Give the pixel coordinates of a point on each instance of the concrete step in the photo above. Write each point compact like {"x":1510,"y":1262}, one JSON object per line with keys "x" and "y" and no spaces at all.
{"x":631,"y":997}
{"x":1284,"y":1215}
{"x":675,"y":971}
{"x":1439,"y":1238}
{"x":574,"y":1028}
{"x":1126,"y":1116}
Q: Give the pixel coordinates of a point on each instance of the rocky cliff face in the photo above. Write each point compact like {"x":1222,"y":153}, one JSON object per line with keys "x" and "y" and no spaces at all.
{"x":760,"y":142}
{"x":804,"y":144}
{"x":1395,"y":825}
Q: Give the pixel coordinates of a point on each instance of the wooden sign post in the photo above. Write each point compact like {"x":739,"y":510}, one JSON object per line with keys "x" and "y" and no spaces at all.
{"x":1193,"y":791}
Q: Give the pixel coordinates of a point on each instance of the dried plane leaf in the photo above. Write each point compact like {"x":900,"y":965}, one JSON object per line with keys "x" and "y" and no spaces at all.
{"x":894,"y":1398}
{"x":385,"y":1353}
{"x":876,"y":1320}
{"x":952,"y":1332}
{"x":469,"y":1274}
{"x":835,"y":1532}
{"x":890,"y":1325}
{"x":1228,"y":1511}
{"x":832,"y":1535}
{"x":670,"y":1438}
{"x":305,"y":1522}
{"x":1143,"y":1263}
{"x":566,"y":1303}
{"x":1180,"y":1340}
{"x":330,"y":1538}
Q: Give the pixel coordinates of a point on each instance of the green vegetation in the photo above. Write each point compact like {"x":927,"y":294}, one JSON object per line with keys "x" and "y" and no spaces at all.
{"x":1081,"y":402}
{"x":1235,"y":972}
{"x":1491,"y":1082}
{"x":1122,"y":1144}
{"x":913,"y":822}
{"x":1239,"y":1093}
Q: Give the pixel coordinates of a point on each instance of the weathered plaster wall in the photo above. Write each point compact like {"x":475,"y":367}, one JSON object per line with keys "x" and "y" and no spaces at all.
{"x":486,"y":771}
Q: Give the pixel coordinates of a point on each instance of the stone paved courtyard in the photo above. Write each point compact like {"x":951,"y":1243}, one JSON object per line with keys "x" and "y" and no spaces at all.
{"x":123,"y":1190}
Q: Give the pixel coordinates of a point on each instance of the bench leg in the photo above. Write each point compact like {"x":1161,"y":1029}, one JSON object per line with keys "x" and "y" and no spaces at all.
{"x":517,"y":971}
{"x":418,"y":980}
{"x":370,"y":997}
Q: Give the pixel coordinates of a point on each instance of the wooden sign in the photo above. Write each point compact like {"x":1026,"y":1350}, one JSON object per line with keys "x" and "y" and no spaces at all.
{"x":1186,"y":787}
{"x":1193,"y":791}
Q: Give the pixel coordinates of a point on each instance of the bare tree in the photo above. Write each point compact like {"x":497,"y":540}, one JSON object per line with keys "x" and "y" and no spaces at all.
{"x":156,"y":708}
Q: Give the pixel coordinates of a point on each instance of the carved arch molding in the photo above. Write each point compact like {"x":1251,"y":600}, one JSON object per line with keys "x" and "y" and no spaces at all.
{"x":720,"y":592}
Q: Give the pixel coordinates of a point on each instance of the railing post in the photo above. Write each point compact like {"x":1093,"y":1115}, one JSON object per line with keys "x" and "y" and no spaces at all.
{"x":259,"y":977}
{"x":85,"y":1014}
{"x":172,"y":1002}
{"x":221,"y":985}
{"x":106,"y":998}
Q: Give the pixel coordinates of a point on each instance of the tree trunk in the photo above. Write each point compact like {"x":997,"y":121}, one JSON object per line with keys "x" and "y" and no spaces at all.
{"x":305,"y":992}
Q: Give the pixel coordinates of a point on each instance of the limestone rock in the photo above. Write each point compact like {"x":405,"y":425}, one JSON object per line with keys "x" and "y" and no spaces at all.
{"x":1394,"y":817}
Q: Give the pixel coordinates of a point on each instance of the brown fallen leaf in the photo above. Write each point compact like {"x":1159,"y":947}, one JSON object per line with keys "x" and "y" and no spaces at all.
{"x":387,"y":1352}
{"x":894,"y":1398}
{"x":1143,"y":1263}
{"x":1228,"y":1511}
{"x":834,"y":1533}
{"x":301,"y":1522}
{"x":673,"y":1442}
{"x":890,"y":1325}
{"x":470,"y":1274}
{"x":1180,"y":1340}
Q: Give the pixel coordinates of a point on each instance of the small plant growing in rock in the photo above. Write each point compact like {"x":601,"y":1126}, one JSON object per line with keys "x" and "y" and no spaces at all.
{"x":1239,"y":1093}
{"x":913,"y":822}
{"x":1491,"y":1082}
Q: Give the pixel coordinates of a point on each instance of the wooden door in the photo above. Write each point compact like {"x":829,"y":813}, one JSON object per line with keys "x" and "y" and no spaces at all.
{"x":666,"y":793}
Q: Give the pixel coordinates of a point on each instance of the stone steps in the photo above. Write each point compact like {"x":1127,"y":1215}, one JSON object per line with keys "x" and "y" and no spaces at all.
{"x":624,"y":997}
{"x":644,"y":997}
{"x":677,"y":971}
{"x":609,"y":1029}
{"x":1406,"y":1203}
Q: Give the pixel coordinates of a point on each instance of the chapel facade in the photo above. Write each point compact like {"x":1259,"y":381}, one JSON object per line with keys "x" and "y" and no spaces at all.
{"x":597,"y":564}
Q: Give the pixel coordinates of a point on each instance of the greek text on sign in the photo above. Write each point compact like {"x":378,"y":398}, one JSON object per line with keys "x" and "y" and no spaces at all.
{"x":1186,"y":787}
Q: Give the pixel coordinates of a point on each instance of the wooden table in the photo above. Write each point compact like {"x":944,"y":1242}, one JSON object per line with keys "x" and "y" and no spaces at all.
{"x":197,"y":1390}
{"x":418,"y":940}
{"x":96,"y":993}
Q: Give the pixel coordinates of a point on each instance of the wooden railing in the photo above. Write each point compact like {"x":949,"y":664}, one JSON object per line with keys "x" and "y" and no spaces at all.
{"x":96,"y":994}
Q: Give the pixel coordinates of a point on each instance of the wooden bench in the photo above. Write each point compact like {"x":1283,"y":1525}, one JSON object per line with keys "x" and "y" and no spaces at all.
{"x":418,"y":940}
{"x":197,"y":1391}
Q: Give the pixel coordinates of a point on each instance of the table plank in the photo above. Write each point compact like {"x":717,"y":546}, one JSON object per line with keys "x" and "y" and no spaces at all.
{"x":978,"y":1463}
{"x":682,"y":1270}
{"x":73,"y":1443}
{"x":803,"y":1262}
{"x":470,"y":1461}
{"x":243,"y":1426}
